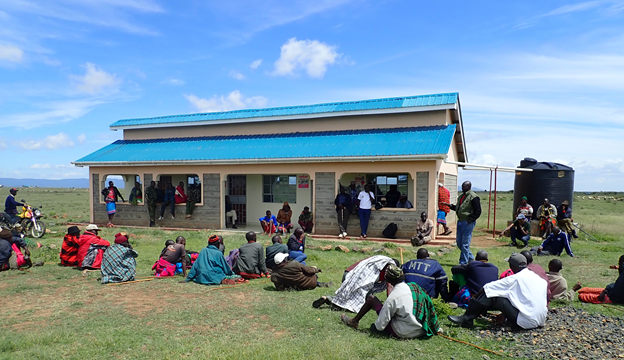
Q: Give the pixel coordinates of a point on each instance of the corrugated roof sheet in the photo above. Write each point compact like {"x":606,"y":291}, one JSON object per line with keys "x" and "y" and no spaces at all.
{"x":353,"y":143}
{"x":362,"y":105}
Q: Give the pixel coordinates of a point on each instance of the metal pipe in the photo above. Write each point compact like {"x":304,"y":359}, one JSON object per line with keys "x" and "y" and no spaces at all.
{"x":495,"y":195}
{"x":489,"y":201}
{"x":502,"y":168}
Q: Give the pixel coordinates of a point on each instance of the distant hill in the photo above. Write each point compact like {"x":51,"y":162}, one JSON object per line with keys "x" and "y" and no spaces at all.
{"x":474,"y":188}
{"x":66,"y":183}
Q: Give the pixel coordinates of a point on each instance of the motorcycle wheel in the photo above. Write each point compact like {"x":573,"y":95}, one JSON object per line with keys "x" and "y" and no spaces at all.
{"x":38,"y":229}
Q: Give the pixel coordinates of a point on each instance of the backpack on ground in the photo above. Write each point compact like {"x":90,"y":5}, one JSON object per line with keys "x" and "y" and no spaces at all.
{"x":390,"y":231}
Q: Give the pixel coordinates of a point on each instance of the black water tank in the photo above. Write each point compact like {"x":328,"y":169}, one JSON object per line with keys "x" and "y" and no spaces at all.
{"x":547,"y":180}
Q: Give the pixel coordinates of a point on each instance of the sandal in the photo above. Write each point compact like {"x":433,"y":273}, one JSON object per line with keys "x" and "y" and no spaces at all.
{"x":447,"y":232}
{"x":349,"y":322}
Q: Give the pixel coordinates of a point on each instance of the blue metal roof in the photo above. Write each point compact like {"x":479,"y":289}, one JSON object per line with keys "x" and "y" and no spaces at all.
{"x":362,"y":105}
{"x":430,"y":140}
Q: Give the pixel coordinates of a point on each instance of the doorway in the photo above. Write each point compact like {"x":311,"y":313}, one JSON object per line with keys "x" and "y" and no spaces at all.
{"x":237,"y":191}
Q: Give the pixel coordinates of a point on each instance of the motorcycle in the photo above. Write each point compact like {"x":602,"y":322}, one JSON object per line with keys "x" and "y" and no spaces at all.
{"x":30,"y":220}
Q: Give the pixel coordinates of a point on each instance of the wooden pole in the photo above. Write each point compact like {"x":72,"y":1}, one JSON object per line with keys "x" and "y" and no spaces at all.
{"x":128,"y":282}
{"x":401,"y":251}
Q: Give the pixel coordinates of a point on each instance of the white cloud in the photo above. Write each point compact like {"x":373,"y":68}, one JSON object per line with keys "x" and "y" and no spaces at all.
{"x":255,"y":64}
{"x":11,"y":53}
{"x":311,"y":55}
{"x":236,"y":75}
{"x":174,"y":82}
{"x":52,"y":113}
{"x":96,"y":81}
{"x":233,"y":101}
{"x":60,"y":140}
{"x":81,"y":138}
{"x":609,"y":7}
{"x":40,"y":166}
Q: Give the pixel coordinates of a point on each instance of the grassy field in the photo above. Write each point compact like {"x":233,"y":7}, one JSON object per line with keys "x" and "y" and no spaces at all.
{"x":54,"y":312}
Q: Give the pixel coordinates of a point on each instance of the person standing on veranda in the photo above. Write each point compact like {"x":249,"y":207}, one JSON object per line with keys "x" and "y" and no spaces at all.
{"x":367,"y":200}
{"x":468,"y":209}
{"x":343,"y":210}
{"x":151,"y":197}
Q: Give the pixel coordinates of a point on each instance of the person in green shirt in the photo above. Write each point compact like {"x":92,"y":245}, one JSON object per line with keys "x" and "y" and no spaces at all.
{"x":468,"y":210}
{"x":151,"y":196}
{"x":519,"y":229}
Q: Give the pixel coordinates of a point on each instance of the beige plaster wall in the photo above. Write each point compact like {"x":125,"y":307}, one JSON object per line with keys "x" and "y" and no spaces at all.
{"x":410,"y":167}
{"x":355,"y":122}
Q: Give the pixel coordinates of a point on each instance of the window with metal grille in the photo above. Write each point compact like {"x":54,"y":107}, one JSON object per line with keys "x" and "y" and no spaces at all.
{"x":279,"y":188}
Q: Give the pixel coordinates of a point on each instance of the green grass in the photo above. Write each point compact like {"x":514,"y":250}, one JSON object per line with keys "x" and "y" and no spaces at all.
{"x":52,"y":312}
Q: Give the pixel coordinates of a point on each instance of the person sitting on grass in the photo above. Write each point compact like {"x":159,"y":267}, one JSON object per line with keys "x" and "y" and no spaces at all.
{"x":547,"y":218}
{"x":305,"y":220}
{"x":268,"y":223}
{"x":520,"y":297}
{"x":519,"y":229}
{"x":8,"y":244}
{"x":554,"y":244}
{"x":471,"y":278}
{"x":613,"y":293}
{"x":170,"y":256}
{"x":119,"y":261}
{"x":91,"y":248}
{"x":277,"y":248}
{"x":284,"y":216}
{"x":293,"y":275}
{"x":537,"y":269}
{"x":424,"y":227}
{"x":557,"y":283}
{"x":428,"y":274}
{"x":251,"y":263}
{"x":69,"y":248}
{"x":408,"y":312}
{"x":368,"y":277}
{"x":210,"y":268}
{"x":296,"y":246}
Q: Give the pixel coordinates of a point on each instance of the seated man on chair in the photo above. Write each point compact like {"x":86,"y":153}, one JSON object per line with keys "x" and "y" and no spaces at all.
{"x":520,"y":297}
{"x":284,"y":217}
{"x":547,"y":214}
{"x":268,"y":223}
{"x":564,"y":218}
{"x":230,"y":212}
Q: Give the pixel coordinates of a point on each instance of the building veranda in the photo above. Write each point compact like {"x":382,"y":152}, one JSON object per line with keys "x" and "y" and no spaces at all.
{"x":262,"y":158}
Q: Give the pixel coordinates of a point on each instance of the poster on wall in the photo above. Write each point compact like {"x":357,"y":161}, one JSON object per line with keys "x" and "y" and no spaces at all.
{"x":304,"y":181}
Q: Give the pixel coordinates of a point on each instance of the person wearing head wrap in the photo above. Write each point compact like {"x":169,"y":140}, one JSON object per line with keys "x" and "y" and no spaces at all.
{"x":521,"y":298}
{"x":217,"y":241}
{"x":119,"y":261}
{"x":525,"y":209}
{"x":284,"y":216}
{"x":69,"y":249}
{"x":294,"y":275}
{"x":408,"y":312}
{"x":91,"y":248}
{"x":210,"y":267}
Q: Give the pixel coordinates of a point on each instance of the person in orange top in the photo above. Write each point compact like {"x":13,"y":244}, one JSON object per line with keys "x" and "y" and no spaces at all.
{"x":444,"y":197}
{"x":284,"y":217}
{"x":69,"y":249}
{"x":91,"y":248}
{"x":180,"y":196}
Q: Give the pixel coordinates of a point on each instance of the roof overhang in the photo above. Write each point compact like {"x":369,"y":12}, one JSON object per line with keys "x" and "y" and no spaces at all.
{"x":460,"y":138}
{"x":454,"y":106}
{"x":268,"y":161}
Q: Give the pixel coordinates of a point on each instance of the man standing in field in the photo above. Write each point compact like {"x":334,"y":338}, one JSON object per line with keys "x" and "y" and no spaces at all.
{"x":151,"y":197}
{"x":468,"y":210}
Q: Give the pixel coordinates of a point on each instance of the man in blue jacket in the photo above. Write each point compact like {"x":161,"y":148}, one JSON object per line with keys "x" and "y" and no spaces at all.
{"x":476,"y":273}
{"x":554,"y":244}
{"x":428,"y":274}
{"x":10,"y":206}
{"x":343,"y":210}
{"x":169,"y":200}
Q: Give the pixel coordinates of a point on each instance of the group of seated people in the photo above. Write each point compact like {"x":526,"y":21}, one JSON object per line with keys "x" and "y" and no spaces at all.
{"x":549,"y":217}
{"x":283,"y":222}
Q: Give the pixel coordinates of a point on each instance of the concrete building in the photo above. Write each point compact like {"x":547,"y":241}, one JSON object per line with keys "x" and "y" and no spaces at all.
{"x":298,"y":154}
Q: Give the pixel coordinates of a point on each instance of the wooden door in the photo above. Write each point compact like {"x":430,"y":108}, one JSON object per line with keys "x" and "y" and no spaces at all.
{"x":237,"y":191}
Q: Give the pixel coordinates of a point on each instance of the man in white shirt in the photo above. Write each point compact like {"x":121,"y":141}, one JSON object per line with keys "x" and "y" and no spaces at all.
{"x":408,"y":312}
{"x":521,"y":298}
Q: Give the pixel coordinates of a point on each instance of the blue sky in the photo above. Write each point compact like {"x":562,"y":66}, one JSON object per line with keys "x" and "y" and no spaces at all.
{"x":537,"y":79}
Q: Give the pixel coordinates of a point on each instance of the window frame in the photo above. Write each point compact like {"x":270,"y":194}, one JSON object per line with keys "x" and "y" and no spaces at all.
{"x":291,"y":184}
